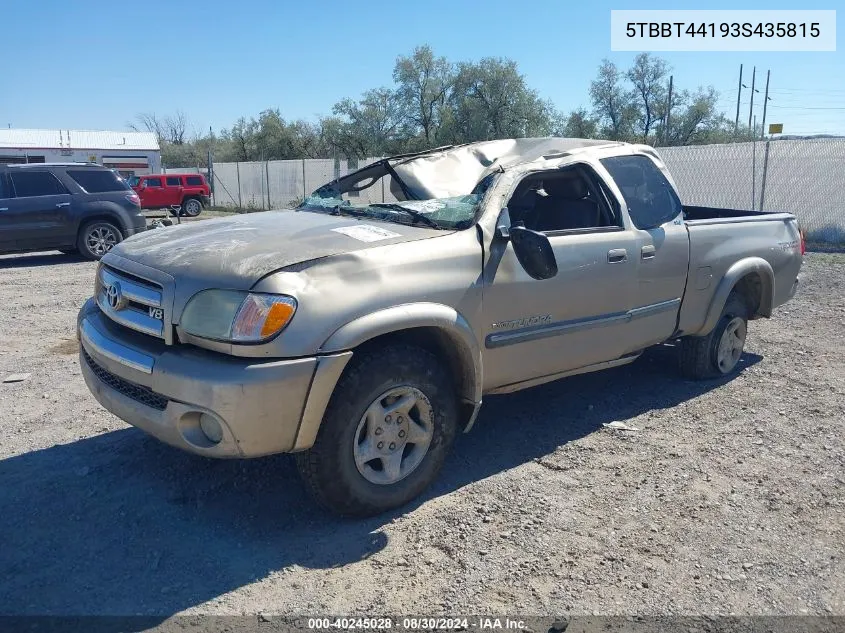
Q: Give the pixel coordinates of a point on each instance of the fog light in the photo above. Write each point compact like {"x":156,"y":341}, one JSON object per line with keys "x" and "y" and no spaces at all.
{"x":211,"y":428}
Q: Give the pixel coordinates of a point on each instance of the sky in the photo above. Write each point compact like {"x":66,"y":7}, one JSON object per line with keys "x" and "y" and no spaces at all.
{"x":96,"y":64}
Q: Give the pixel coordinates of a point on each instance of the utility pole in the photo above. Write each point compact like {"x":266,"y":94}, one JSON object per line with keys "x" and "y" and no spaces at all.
{"x":738,"y":96}
{"x":751,"y":107}
{"x":668,"y":113}
{"x":765,"y":103}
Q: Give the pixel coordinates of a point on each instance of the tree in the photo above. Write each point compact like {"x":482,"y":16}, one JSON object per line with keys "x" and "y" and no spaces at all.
{"x":423,"y":83}
{"x":490,"y":100}
{"x":579,"y":124}
{"x":371,"y":126}
{"x":648,"y":76}
{"x":170,"y":129}
{"x":612,"y":104}
{"x":696,"y":120}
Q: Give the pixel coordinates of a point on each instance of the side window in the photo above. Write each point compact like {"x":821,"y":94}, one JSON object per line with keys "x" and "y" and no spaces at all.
{"x":4,"y":190}
{"x":154,"y":182}
{"x":195,"y":181}
{"x":650,"y":198}
{"x":97,"y":180}
{"x":29,"y":183}
{"x":173,"y":181}
{"x":562,"y":200}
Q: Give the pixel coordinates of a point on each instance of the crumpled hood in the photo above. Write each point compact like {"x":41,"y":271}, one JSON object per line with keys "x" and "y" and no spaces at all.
{"x":236,"y":252}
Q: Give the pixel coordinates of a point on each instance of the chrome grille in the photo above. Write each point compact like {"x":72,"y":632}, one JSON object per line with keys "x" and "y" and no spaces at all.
{"x":132,"y":302}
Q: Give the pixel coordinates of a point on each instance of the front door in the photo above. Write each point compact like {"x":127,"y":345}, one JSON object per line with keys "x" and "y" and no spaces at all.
{"x":578,"y":317}
{"x":7,"y":240}
{"x":152,"y":195}
{"x":38,"y":214}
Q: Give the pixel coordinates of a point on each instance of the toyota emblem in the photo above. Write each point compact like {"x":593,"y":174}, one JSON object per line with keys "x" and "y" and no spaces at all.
{"x":114,"y":296}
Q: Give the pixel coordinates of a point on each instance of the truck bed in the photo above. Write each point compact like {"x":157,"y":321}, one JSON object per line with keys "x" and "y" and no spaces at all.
{"x":719,"y":238}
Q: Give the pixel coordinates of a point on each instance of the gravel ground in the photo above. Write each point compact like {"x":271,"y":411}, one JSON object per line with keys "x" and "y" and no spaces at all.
{"x":727,"y":500}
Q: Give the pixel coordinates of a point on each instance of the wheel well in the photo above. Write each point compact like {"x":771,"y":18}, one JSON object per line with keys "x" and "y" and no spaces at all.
{"x":750,"y":288}
{"x":440,"y":343}
{"x":101,"y":217}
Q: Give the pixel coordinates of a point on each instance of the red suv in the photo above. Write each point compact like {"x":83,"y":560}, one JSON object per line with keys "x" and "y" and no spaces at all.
{"x":187,"y":192}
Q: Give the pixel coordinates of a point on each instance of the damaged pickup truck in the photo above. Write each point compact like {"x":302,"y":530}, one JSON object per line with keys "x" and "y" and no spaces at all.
{"x":362,"y":329}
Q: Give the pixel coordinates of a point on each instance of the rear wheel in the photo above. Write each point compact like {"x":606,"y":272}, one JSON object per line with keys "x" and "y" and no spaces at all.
{"x":718,"y":353}
{"x":385,"y":434}
{"x":192,"y":207}
{"x":98,"y":238}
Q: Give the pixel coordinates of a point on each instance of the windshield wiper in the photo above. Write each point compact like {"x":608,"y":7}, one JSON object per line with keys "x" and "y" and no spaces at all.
{"x":416,"y":215}
{"x":338,"y":209}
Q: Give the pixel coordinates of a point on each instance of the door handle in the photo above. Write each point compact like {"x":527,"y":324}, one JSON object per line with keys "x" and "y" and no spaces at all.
{"x":617,"y":255}
{"x":4,"y":209}
{"x":62,"y":204}
{"x":648,"y":252}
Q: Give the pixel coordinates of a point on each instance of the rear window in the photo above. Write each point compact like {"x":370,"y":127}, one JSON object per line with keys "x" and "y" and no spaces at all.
{"x":97,"y":180}
{"x":650,"y":198}
{"x":195,"y":180}
{"x":173,"y":181}
{"x":29,"y":184}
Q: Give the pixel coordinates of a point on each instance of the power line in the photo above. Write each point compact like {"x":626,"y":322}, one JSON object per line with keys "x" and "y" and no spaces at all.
{"x":805,"y":108}
{"x":805,"y":90}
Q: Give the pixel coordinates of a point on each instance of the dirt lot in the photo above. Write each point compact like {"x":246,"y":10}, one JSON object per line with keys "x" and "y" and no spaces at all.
{"x":729,"y":499}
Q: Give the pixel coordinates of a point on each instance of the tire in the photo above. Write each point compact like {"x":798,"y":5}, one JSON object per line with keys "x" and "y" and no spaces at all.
{"x":336,"y":471}
{"x":98,"y":238}
{"x":191,"y":207}
{"x":717,"y":354}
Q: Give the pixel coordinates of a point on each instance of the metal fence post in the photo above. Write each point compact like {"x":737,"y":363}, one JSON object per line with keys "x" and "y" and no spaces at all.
{"x":211,"y":178}
{"x":304,"y":191}
{"x":765,"y":170}
{"x":267,"y":173}
{"x":238,"y":169}
{"x":753,"y":174}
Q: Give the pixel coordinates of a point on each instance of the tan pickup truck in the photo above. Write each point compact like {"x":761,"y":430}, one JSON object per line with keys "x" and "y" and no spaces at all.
{"x":362,"y":335}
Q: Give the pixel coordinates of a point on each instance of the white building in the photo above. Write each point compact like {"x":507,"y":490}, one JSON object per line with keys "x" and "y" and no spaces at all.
{"x":131,"y":153}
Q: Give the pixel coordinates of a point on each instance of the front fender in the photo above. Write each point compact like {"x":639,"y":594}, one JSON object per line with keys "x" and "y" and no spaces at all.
{"x":416,"y":315}
{"x":334,"y":354}
{"x":742,"y":268}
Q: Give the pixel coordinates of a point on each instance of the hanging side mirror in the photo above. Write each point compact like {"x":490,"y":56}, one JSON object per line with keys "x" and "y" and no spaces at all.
{"x":503,"y":224}
{"x":532,"y":249}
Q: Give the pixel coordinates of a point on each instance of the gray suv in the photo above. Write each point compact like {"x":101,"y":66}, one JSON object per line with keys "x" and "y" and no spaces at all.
{"x":66,"y":206}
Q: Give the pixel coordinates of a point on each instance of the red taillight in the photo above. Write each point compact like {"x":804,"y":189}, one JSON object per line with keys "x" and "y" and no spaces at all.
{"x":803,"y":242}
{"x":133,"y":198}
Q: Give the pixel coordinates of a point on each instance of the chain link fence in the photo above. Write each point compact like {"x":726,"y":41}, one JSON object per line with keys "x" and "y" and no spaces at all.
{"x":804,"y":177}
{"x":278,"y":184}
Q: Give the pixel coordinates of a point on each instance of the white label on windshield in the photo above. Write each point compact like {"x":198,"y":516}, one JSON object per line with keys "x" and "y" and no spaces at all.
{"x":366,"y":232}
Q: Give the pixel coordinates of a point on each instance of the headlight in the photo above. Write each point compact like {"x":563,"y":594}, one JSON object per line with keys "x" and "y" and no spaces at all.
{"x":238,"y":317}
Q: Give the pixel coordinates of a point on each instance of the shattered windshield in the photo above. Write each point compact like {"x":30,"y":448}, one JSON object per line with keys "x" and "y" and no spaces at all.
{"x":441,"y":213}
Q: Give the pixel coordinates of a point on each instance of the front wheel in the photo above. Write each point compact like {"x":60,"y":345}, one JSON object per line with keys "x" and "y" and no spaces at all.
{"x":718,"y":353}
{"x":98,"y":238}
{"x":385,"y":435}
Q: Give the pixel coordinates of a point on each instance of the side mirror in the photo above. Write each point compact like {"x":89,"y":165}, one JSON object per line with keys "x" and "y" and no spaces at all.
{"x":503,"y":224}
{"x":534,"y":252}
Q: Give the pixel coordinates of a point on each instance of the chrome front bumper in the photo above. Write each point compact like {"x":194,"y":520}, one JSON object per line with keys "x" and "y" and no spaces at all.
{"x":263,"y":407}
